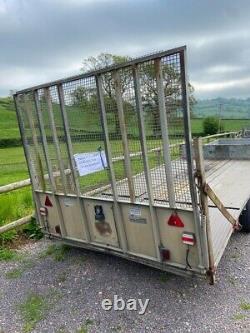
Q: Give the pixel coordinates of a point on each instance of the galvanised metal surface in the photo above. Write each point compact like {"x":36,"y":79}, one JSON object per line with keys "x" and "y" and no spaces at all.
{"x":72,"y":114}
{"x":137,"y":113}
{"x":225,"y":149}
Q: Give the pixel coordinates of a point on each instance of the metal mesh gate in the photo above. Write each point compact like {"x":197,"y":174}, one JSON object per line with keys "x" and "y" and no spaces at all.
{"x":134,"y":117}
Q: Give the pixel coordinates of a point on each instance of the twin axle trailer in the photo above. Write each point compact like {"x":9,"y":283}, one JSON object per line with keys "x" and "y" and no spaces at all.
{"x":114,"y":168}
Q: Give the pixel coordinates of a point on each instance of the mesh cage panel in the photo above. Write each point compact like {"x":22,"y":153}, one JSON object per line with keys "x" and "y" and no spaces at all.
{"x":34,"y":141}
{"x":144,"y":98}
{"x":85,"y":127}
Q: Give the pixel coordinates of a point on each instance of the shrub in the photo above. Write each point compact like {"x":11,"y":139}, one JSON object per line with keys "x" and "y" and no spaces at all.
{"x":211,"y":126}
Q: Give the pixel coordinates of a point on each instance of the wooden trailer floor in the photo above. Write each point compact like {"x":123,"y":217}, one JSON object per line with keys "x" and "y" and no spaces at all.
{"x":230,"y":181}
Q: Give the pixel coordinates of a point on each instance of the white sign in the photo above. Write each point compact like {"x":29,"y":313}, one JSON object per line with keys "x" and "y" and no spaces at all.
{"x":87,"y":163}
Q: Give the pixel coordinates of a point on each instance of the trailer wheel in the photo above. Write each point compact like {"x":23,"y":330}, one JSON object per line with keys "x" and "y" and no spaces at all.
{"x":244,"y":218}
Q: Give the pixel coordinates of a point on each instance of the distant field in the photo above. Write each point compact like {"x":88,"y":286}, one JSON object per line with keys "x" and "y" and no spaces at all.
{"x":228,"y":125}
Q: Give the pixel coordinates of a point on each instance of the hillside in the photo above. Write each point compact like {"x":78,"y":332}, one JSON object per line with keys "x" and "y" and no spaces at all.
{"x":230,"y":109}
{"x":223,"y":107}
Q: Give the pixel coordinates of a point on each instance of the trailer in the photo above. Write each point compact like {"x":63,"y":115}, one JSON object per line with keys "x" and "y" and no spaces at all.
{"x":114,"y":168}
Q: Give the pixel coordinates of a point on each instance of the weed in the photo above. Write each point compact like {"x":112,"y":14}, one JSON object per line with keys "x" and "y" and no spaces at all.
{"x":62,"y":277}
{"x":239,"y":316}
{"x":57,"y":251}
{"x":245,"y":306}
{"x":164,"y":277}
{"x":232,"y":280}
{"x":32,"y":230}
{"x":33,"y":310}
{"x":84,"y":328}
{"x":8,"y":254}
{"x":15,"y":273}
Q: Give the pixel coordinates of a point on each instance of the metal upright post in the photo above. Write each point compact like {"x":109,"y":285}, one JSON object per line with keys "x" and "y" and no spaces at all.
{"x":139,"y":110}
{"x":117,"y":212}
{"x":200,"y":170}
{"x":128,"y":168}
{"x":190,"y":159}
{"x":164,"y":132}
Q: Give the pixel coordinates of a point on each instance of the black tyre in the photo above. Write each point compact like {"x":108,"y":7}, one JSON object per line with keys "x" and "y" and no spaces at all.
{"x":244,"y":218}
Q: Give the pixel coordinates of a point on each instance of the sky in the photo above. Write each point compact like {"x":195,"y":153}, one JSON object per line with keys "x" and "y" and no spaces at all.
{"x":44,"y":40}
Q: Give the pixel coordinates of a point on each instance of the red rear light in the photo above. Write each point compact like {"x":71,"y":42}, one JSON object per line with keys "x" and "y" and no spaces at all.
{"x":48,"y":203}
{"x":175,"y":221}
{"x":188,"y":238}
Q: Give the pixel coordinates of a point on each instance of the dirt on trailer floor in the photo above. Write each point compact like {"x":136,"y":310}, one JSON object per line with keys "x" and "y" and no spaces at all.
{"x":53,"y":288}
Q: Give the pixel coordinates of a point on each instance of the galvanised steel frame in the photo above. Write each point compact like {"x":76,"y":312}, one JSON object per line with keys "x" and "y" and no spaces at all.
{"x":98,"y":75}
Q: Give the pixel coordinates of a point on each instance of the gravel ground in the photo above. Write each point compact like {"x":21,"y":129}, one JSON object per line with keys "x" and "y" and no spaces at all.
{"x":75,"y":286}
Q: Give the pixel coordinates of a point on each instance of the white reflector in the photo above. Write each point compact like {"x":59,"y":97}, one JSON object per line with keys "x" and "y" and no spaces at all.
{"x":188,"y":238}
{"x":43,"y":211}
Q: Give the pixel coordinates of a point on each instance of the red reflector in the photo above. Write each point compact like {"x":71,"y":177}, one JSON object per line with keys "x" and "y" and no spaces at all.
{"x":165,"y":254}
{"x":48,"y":203}
{"x":188,"y":238}
{"x":175,"y":221}
{"x":43,"y":211}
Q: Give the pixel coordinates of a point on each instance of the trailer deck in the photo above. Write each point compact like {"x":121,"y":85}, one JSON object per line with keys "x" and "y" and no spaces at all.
{"x":220,"y":175}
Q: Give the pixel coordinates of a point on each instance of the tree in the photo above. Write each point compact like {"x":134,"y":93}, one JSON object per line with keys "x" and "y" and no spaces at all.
{"x":211,"y":125}
{"x":105,"y":60}
{"x":171,"y":80}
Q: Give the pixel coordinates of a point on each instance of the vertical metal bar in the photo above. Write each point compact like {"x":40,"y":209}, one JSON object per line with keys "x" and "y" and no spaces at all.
{"x":39,"y":165}
{"x":29,"y":162}
{"x":164,"y":132}
{"x":128,"y":169}
{"x":71,"y":158}
{"x":55,"y":138}
{"x":200,"y":170}
{"x":189,"y":153}
{"x":47,"y":159}
{"x":139,"y":110}
{"x":44,"y":140}
{"x":117,"y":212}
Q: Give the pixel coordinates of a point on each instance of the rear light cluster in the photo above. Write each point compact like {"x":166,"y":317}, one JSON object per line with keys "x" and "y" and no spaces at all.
{"x":187,"y":238}
{"x":43,"y":211}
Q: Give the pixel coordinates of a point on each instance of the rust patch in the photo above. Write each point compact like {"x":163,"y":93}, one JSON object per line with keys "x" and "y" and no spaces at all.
{"x":103,"y":228}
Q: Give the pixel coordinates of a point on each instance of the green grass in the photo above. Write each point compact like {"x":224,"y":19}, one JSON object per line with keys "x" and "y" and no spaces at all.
{"x":15,"y":273}
{"x":245,"y":306}
{"x":8,"y":254}
{"x":229,"y":125}
{"x":8,"y":124}
{"x":56,"y":251}
{"x":84,"y":328}
{"x":239,"y":316}
{"x":32,"y":310}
